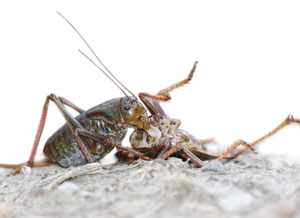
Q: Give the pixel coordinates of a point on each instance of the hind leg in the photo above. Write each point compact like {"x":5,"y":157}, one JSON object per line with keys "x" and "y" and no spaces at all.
{"x":72,"y":122}
{"x":233,"y":147}
{"x":290,"y":119}
{"x":18,"y":167}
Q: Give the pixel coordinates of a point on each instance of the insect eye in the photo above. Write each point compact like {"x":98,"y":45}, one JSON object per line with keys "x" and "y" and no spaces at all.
{"x":126,"y":107}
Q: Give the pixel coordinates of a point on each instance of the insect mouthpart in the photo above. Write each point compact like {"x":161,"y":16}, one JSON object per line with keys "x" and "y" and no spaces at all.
{"x":143,"y":121}
{"x":133,"y":112}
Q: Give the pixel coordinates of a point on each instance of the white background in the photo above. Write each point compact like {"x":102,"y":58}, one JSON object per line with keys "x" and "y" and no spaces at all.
{"x":246,"y":83}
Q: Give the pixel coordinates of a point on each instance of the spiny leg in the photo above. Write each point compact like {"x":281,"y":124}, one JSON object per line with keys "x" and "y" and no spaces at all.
{"x":164,"y":95}
{"x":105,"y":140}
{"x":38,"y":134}
{"x":287,"y":121}
{"x":165,"y":148}
{"x":72,"y":122}
{"x":132,"y":151}
{"x":71,"y":105}
{"x":183,"y":151}
{"x":168,"y":151}
{"x":83,"y":148}
{"x":181,"y":83}
{"x":152,"y":101}
{"x":234,"y":146}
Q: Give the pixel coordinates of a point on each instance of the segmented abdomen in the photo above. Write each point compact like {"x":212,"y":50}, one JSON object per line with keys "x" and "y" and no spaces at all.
{"x":62,"y":147}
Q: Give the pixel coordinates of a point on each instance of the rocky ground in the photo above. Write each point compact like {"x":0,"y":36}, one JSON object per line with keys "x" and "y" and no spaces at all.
{"x":250,"y":186}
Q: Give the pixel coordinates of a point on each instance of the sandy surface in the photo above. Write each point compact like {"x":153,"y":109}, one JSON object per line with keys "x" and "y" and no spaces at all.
{"x":250,"y":186}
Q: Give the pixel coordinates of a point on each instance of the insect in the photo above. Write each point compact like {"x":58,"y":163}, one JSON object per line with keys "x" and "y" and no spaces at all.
{"x":94,"y":133}
{"x":178,"y":142}
{"x":172,"y":141}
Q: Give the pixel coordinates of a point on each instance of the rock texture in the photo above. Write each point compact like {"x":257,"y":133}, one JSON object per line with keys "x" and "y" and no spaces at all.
{"x":250,"y":186}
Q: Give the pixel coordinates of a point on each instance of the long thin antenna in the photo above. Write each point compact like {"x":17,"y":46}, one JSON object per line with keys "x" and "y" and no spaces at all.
{"x":87,"y":44}
{"x":103,"y":72}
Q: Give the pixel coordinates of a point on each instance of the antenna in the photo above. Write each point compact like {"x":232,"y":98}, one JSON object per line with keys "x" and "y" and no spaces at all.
{"x":83,"y":39}
{"x":103,"y":72}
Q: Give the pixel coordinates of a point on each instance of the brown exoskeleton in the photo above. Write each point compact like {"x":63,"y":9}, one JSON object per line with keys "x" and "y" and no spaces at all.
{"x":94,"y":133}
{"x":178,"y":142}
{"x":173,"y":141}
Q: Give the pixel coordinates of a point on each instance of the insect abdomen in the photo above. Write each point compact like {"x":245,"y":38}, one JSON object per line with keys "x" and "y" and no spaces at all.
{"x":62,"y":147}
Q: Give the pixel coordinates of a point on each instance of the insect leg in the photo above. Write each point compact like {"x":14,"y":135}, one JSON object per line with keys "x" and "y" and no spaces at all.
{"x":18,"y":167}
{"x":201,"y":154}
{"x":70,"y":104}
{"x":38,"y":134}
{"x":71,"y":121}
{"x":168,"y":151}
{"x":165,"y":149}
{"x":287,"y":121}
{"x":164,"y":95}
{"x":139,"y":143}
{"x":151,"y":101}
{"x":94,"y":136}
{"x":123,"y":154}
{"x":184,"y":152}
{"x":132,"y":151}
{"x":234,"y":146}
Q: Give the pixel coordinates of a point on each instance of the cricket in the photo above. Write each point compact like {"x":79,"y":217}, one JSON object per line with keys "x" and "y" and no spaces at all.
{"x":95,"y":132}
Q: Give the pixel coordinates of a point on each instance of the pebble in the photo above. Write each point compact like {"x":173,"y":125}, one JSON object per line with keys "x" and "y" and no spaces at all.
{"x":25,"y":170}
{"x":213,"y":165}
{"x":68,"y":187}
